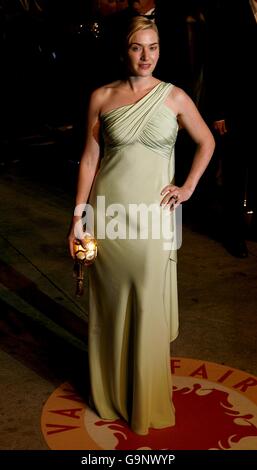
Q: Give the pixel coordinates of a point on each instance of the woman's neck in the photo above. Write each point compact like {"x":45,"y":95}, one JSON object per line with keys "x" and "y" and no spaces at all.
{"x":138,"y":84}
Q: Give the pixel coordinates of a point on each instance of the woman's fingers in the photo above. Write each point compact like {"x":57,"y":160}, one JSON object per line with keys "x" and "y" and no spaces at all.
{"x":171,"y":197}
{"x":169,"y":188}
{"x":71,"y":247}
{"x":174,"y":195}
{"x":75,"y":234}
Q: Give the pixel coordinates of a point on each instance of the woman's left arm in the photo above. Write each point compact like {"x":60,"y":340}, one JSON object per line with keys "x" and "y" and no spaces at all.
{"x":190,"y":119}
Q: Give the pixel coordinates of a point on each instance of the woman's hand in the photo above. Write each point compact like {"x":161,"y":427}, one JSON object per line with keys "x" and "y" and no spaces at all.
{"x":174,"y":195}
{"x":75,"y":233}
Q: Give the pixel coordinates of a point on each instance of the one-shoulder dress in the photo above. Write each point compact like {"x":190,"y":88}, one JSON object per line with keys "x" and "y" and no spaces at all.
{"x":133,"y":307}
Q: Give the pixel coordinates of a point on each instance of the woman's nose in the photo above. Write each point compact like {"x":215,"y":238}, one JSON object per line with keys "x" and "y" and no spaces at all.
{"x":144,"y":54}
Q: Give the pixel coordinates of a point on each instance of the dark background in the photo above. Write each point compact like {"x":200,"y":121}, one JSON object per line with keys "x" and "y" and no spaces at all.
{"x":49,"y":53}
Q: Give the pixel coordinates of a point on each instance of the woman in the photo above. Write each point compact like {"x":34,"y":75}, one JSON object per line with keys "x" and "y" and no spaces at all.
{"x":133,"y":312}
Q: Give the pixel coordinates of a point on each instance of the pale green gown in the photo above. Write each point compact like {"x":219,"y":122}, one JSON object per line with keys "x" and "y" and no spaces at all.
{"x":133,"y":311}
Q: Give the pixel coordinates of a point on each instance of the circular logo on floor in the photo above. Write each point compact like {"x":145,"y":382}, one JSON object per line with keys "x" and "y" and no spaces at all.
{"x":216,"y":408}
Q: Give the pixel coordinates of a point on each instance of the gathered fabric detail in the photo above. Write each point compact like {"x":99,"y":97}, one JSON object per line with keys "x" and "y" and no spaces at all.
{"x":139,"y":122}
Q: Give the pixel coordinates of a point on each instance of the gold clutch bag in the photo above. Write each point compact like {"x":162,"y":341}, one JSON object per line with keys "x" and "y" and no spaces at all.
{"x":85,"y":255}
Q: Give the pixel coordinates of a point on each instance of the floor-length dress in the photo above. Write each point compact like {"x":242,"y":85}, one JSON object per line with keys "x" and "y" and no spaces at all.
{"x":133,"y":311}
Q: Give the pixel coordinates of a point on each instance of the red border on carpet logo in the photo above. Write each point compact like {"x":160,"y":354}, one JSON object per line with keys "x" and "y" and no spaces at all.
{"x":216,"y":408}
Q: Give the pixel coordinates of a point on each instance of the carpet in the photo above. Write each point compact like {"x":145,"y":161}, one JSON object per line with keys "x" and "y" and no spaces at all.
{"x":216,"y":408}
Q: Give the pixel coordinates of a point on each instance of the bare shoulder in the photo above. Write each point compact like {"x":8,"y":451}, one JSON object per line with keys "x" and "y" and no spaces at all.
{"x":104,"y":92}
{"x":100,"y":96}
{"x":179,"y":100}
{"x":178,"y":95}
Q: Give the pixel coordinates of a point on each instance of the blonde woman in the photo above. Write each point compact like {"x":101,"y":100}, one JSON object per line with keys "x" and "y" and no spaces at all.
{"x":133,"y":308}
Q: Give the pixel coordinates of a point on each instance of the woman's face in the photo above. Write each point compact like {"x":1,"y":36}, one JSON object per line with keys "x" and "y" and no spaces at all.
{"x":143,"y":52}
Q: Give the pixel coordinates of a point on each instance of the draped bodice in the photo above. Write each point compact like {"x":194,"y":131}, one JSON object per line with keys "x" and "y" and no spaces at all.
{"x":149,"y":122}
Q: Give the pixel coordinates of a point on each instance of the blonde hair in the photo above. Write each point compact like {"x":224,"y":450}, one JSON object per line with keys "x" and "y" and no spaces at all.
{"x":139,"y":23}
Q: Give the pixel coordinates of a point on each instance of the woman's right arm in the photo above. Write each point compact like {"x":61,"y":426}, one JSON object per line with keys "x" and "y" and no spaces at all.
{"x":89,"y":162}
